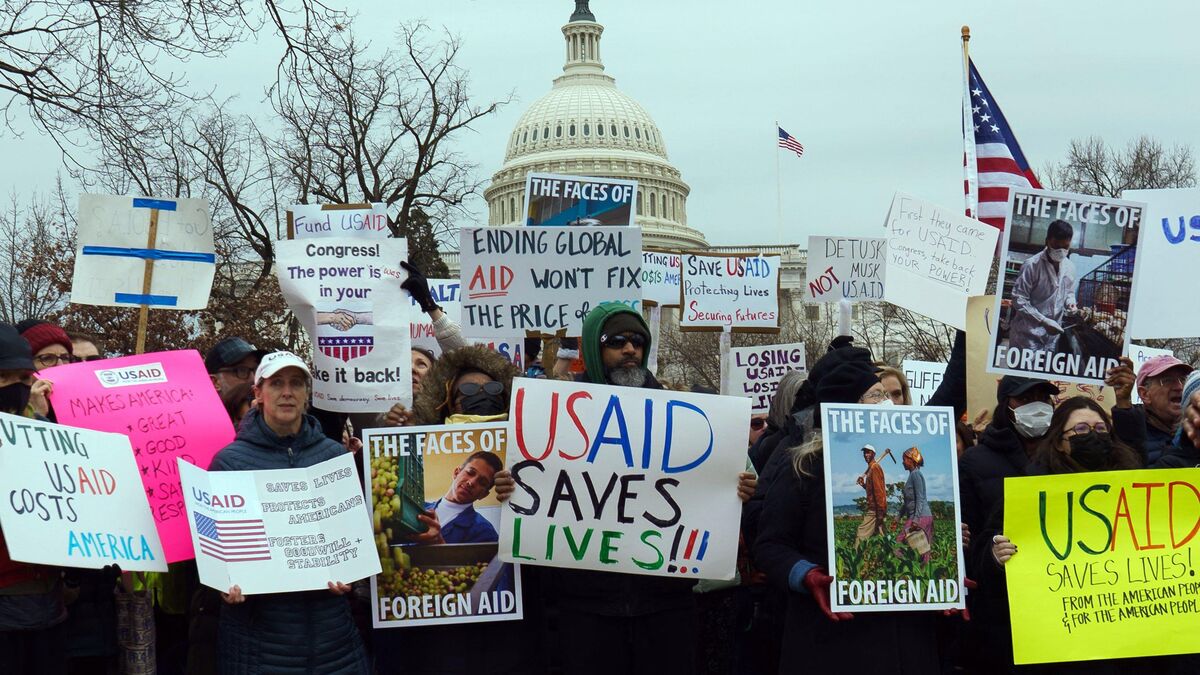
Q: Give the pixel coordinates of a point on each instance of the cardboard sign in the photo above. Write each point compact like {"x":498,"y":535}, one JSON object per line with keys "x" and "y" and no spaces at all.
{"x":545,"y":280}
{"x":114,"y":243}
{"x":923,"y":377}
{"x":1105,"y":564}
{"x":364,"y":221}
{"x":438,"y":470}
{"x":755,"y":372}
{"x":1064,"y":320}
{"x":661,"y":468}
{"x":660,"y":278}
{"x":74,"y":498}
{"x":893,"y":521}
{"x":555,"y":200}
{"x":730,"y":292}
{"x":279,"y":530}
{"x":346,"y":293}
{"x":1171,"y":245}
{"x":164,"y":402}
{"x":936,"y":259}
{"x":844,"y":267}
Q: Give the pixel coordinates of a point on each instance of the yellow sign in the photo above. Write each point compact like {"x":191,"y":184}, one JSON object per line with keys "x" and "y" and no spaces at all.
{"x":1106,"y":564}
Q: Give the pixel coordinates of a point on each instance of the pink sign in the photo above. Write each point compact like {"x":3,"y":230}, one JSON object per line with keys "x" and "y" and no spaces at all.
{"x":165,"y":403}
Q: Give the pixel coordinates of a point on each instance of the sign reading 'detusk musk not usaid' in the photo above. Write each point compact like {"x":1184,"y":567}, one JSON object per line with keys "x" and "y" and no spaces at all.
{"x":554,"y":200}
{"x":118,"y":235}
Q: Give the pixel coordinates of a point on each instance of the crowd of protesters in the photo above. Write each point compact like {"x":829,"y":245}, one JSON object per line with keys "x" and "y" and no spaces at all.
{"x":774,"y":617}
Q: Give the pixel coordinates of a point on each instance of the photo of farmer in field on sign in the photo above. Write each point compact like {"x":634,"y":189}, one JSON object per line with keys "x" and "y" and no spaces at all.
{"x":872,"y":482}
{"x":916,"y":517}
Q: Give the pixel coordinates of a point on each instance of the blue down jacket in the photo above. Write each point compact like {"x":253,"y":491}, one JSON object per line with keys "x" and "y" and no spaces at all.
{"x":306,"y":632}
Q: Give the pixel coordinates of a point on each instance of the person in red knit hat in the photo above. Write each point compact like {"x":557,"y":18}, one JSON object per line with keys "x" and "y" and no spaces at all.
{"x":50,"y":344}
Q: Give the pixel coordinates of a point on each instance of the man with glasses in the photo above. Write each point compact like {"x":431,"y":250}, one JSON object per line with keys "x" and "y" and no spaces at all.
{"x":84,"y":348}
{"x":1160,"y":385}
{"x":231,"y":362}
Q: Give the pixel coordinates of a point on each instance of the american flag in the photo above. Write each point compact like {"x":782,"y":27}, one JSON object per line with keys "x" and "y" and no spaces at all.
{"x":789,"y":142}
{"x":346,"y":348}
{"x":999,"y":162}
{"x":233,"y":540}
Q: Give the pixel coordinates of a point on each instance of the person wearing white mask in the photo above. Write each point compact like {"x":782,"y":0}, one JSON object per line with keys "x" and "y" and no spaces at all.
{"x":1043,"y":292}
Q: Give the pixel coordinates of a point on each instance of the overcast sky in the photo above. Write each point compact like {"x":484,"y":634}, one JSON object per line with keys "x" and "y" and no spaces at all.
{"x":873,"y":91}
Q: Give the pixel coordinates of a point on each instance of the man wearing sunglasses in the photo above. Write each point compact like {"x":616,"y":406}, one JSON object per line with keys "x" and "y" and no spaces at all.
{"x":231,"y":362}
{"x":84,"y":348}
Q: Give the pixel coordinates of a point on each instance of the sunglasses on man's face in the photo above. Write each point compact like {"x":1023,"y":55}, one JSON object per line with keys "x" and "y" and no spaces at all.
{"x":472,"y":388}
{"x":81,"y":359}
{"x":619,"y":341}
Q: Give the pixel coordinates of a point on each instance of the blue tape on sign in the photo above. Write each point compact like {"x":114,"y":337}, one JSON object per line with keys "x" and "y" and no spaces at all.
{"x":160,"y":204}
{"x":151,"y":254}
{"x":139,"y":299}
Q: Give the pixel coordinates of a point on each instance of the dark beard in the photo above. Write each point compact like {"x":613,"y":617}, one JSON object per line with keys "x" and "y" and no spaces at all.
{"x":634,"y":376}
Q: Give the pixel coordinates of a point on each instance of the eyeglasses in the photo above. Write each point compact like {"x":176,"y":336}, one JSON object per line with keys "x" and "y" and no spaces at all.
{"x":240,"y":372}
{"x":472,"y":388}
{"x":874,"y":396}
{"x":619,"y":341}
{"x":51,"y":360}
{"x":757,"y":423}
{"x":1084,"y":427}
{"x":1174,"y":381}
{"x":81,"y":359}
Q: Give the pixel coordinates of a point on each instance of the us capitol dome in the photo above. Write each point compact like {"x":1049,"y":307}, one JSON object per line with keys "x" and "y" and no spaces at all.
{"x":586,"y":126}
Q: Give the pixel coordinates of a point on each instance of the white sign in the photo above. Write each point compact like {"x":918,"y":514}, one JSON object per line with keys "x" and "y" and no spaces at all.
{"x":346,"y":293}
{"x":279,"y":530}
{"x":557,"y":200}
{"x":113,"y":245}
{"x":339,"y":220}
{"x":936,"y":258}
{"x":1170,"y":247}
{"x":661,"y":468}
{"x":660,"y":278}
{"x":843,"y":267}
{"x":923,"y":377}
{"x":74,"y":498}
{"x":445,"y":294}
{"x":755,"y":372}
{"x":545,"y":280}
{"x":1140,"y":355}
{"x":732,"y":292}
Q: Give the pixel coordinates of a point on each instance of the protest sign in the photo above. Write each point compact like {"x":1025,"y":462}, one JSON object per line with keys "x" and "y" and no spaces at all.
{"x":165,"y":403}
{"x":74,"y":498}
{"x":361,"y":357}
{"x":923,"y":378}
{"x":845,"y":267}
{"x":1068,"y":262}
{"x":1105,"y":564}
{"x":119,"y":236}
{"x":446,"y":470}
{"x":936,"y":258}
{"x":624,"y":479}
{"x":1140,"y":354}
{"x":545,"y":280}
{"x":660,"y":278}
{"x":729,"y":292}
{"x":1171,"y":245}
{"x":554,"y":200}
{"x":363,"y":221}
{"x":755,"y":372}
{"x":445,"y":294}
{"x":279,"y":530}
{"x":891,"y":476}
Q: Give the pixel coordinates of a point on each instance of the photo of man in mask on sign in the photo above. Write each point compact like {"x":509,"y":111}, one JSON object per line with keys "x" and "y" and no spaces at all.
{"x":1044,"y":293}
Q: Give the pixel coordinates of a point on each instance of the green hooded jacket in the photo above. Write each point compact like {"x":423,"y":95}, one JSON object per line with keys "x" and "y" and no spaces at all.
{"x":589,"y":344}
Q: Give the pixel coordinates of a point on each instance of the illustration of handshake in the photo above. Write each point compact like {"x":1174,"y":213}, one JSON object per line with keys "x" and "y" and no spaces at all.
{"x":344,"y":319}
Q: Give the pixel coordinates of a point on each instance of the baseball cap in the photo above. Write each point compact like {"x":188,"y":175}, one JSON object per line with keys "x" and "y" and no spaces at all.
{"x":1159,"y":365}
{"x":868,"y":448}
{"x":276,"y":361}
{"x":1011,"y":385}
{"x":228,"y":352}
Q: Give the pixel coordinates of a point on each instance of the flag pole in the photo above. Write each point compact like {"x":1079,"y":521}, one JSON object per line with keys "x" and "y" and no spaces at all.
{"x":970,"y":167}
{"x":778,"y":190}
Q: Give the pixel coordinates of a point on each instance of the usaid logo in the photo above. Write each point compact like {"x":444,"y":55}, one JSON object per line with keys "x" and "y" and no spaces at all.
{"x":148,"y":373}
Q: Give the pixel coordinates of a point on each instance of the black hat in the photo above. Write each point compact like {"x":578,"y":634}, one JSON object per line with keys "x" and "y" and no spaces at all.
{"x":15,"y":353}
{"x":228,"y":352}
{"x":624,"y":322}
{"x":847,"y":382}
{"x":1011,"y":385}
{"x":841,"y":351}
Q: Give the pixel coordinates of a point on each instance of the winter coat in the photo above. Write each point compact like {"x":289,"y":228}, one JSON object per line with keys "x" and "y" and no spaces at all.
{"x":1131,"y":423}
{"x":982,"y":470}
{"x":429,"y":405}
{"x":304,"y":632}
{"x":1183,"y":455}
{"x":792,"y":539}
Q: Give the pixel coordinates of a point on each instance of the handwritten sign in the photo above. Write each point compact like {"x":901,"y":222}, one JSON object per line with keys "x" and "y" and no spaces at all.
{"x":936,"y":259}
{"x":279,"y":530}
{"x":661,"y":468}
{"x":660,"y":278}
{"x":113,"y":245}
{"x":416,"y":470}
{"x":755,"y":372}
{"x":892,"y":549}
{"x":923,"y":377}
{"x":346,"y":293}
{"x":843,"y":267}
{"x":556,"y":200}
{"x":73,"y":498}
{"x":1105,"y":564}
{"x":739,"y":293}
{"x":165,"y":403}
{"x":368,"y":221}
{"x":1140,"y":354}
{"x":1170,"y":244}
{"x":545,"y":280}
{"x":445,"y":293}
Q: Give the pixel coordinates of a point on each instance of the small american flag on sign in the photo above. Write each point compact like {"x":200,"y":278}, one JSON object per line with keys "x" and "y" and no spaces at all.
{"x":233,"y":540}
{"x":789,"y":142}
{"x":346,"y":348}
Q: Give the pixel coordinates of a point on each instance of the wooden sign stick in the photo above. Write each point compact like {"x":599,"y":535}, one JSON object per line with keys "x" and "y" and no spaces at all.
{"x":147,"y":278}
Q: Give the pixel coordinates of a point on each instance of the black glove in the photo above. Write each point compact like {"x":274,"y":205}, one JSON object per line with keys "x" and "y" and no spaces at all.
{"x":418,"y":287}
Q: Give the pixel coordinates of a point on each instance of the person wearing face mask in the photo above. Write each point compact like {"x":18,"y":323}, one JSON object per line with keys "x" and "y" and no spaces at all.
{"x":1044,"y":292}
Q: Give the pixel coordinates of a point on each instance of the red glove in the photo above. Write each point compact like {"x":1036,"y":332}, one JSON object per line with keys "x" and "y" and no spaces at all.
{"x":817,"y":582}
{"x":969,"y":585}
